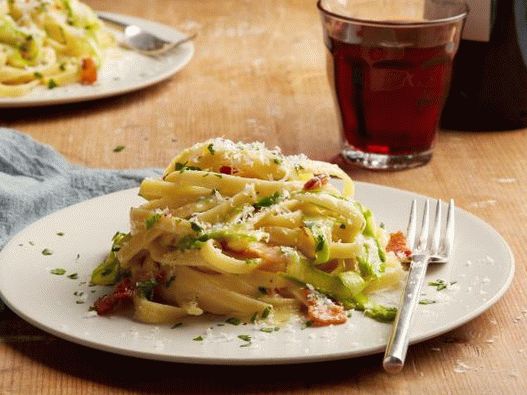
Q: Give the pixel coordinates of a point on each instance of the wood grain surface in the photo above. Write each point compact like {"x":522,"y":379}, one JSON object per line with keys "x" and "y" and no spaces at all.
{"x":259,"y":74}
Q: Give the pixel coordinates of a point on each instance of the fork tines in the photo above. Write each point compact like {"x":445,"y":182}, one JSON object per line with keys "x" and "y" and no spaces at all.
{"x":439,"y":247}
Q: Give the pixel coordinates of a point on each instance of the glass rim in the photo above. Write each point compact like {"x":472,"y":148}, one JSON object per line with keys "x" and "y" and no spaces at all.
{"x":396,"y":24}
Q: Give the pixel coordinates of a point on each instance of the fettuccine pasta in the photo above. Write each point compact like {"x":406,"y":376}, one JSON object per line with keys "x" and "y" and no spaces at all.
{"x":50,"y":43}
{"x":241,"y":230}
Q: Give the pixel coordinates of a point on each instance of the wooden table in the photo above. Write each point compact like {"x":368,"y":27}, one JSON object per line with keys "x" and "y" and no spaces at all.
{"x":259,"y":74}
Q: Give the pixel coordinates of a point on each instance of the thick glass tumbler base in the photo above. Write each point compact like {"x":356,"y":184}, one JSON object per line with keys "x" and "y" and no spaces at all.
{"x":385,"y":162}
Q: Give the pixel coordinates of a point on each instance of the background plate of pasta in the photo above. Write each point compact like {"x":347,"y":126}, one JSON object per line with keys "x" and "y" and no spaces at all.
{"x":238,"y":254}
{"x":59,"y":51}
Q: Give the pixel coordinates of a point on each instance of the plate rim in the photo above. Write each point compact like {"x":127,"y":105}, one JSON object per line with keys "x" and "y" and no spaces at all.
{"x":18,"y":102}
{"x":256,"y":361}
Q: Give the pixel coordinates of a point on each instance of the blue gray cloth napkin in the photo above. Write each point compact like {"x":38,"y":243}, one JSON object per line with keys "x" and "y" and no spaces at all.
{"x":36,"y":180}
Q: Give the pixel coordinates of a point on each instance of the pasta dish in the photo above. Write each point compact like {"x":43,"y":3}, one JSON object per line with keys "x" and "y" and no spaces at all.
{"x":50,"y":43}
{"x":244,"y":231}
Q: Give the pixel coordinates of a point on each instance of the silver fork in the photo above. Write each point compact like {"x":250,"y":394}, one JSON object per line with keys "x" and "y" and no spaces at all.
{"x":425,"y":251}
{"x":143,"y":41}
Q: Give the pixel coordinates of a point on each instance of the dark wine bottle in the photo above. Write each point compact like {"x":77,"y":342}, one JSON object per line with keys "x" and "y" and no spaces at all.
{"x":489,"y":80}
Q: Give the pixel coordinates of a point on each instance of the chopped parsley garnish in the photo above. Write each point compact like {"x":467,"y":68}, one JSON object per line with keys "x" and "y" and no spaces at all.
{"x":79,"y":302}
{"x":60,"y":233}
{"x":298,"y":167}
{"x":210,"y":147}
{"x":188,"y":242}
{"x":439,"y":284}
{"x":47,"y":251}
{"x":181,"y":167}
{"x":427,"y":301}
{"x":307,"y":324}
{"x":73,"y":276}
{"x":146,"y":288}
{"x":119,"y":148}
{"x":176,"y":325}
{"x":233,"y":321}
{"x":277,"y":161}
{"x":253,"y":318}
{"x":342,"y":226}
{"x":263,"y":290}
{"x":195,"y":227}
{"x":31,"y":243}
{"x":170,"y":281}
{"x":245,"y":338}
{"x":37,"y":74}
{"x":58,"y":271}
{"x":198,"y":339}
{"x":152,"y":220}
{"x":52,"y":84}
{"x":270,"y":329}
{"x":265,"y":312}
{"x":62,"y":66}
{"x":218,"y":175}
{"x":320,"y":242}
{"x":252,"y":261}
{"x":267,"y":201}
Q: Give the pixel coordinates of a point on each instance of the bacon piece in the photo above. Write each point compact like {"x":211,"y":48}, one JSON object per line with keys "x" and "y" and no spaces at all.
{"x":322,"y":311}
{"x":123,"y":291}
{"x":273,"y":258}
{"x":228,"y":170}
{"x":398,"y":245}
{"x":88,"y":71}
{"x":316,"y":182}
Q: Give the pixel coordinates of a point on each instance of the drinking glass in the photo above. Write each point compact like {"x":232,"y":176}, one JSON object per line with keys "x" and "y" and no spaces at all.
{"x":389,"y":65}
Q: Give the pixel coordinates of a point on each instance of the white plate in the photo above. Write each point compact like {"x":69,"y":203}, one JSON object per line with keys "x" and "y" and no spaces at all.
{"x":482,"y":265}
{"x":123,"y":71}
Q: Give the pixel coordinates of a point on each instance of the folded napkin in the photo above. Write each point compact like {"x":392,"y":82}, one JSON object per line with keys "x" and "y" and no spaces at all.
{"x":36,"y":180}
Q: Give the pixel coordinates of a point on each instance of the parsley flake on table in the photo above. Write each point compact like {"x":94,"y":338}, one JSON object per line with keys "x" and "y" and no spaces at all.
{"x":60,"y":233}
{"x":47,"y":251}
{"x":119,"y":148}
{"x":73,"y":276}
{"x":58,"y":271}
{"x":210,"y":147}
{"x":198,"y":339}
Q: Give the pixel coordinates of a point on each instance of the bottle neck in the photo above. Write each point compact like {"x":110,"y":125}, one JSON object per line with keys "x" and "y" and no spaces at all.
{"x":520,"y":13}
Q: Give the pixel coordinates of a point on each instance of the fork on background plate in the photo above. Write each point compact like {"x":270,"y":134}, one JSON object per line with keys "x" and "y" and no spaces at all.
{"x":434,"y":249}
{"x":144,"y":42}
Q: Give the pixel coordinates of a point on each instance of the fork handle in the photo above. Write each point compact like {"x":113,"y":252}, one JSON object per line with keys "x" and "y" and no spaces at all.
{"x":398,"y":344}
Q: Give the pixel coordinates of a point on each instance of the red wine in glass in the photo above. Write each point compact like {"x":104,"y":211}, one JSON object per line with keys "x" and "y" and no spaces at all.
{"x":390,"y":99}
